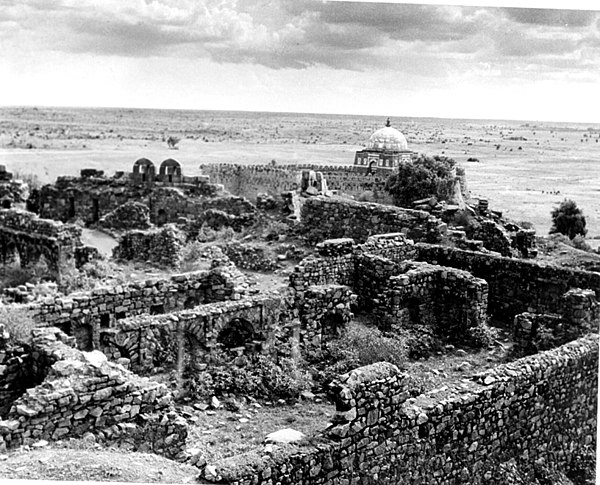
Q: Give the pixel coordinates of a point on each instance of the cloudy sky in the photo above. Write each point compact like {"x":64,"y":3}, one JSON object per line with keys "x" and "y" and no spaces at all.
{"x":305,"y":56}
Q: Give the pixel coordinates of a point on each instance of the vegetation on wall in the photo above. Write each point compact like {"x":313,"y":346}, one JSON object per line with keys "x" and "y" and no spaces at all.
{"x":424,"y":177}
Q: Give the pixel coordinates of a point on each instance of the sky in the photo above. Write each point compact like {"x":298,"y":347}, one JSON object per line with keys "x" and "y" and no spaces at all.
{"x":385,"y":59}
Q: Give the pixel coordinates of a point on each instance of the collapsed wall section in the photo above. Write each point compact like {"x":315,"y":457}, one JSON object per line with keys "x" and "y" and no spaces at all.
{"x":83,"y":393}
{"x":515,"y":285}
{"x":542,"y":407}
{"x":326,"y":218}
{"x":157,"y":246}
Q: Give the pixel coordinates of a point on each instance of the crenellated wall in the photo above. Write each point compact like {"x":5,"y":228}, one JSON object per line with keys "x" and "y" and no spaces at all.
{"x":541,"y":407}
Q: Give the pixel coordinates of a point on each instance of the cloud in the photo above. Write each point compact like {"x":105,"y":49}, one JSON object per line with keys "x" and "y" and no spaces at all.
{"x":423,"y":40}
{"x":552,"y":17}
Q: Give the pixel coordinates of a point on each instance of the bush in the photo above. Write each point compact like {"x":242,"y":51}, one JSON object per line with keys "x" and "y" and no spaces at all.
{"x":568,"y":219}
{"x":260,"y":377}
{"x":18,"y":322}
{"x":424,"y":177}
{"x":579,"y":242}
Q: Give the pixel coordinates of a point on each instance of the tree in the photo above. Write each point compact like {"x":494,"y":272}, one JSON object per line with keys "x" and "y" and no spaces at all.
{"x":568,"y":219}
{"x":424,"y":177}
{"x":172,"y":142}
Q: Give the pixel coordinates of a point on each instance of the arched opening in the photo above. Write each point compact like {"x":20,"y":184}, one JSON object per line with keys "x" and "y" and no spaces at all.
{"x":6,"y":203}
{"x":71,"y":213}
{"x":373,"y":167}
{"x":332,"y":326}
{"x":414,"y":311}
{"x":237,"y":333}
{"x":191,"y":302}
{"x":84,"y":335}
{"x":95,"y":210}
{"x":161,"y":217}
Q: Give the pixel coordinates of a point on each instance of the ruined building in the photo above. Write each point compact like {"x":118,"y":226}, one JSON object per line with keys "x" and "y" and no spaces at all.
{"x":168,"y":194}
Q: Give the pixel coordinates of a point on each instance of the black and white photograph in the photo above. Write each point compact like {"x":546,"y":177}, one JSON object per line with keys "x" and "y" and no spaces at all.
{"x":299,"y":242}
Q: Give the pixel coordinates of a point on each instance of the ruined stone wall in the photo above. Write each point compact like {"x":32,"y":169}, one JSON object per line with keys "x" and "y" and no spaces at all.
{"x":84,"y":314}
{"x":579,"y":315}
{"x":453,"y":302}
{"x":515,"y":285}
{"x":250,"y":180}
{"x":254,"y":257}
{"x":24,"y":234}
{"x":91,"y":198}
{"x":324,"y":312}
{"x":81,"y":393}
{"x":162,"y":247}
{"x":326,"y":218}
{"x":493,"y":235}
{"x":157,"y":341}
{"x":542,"y":407}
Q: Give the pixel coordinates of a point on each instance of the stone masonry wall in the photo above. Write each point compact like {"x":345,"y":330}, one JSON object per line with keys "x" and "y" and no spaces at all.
{"x":30,"y":237}
{"x":515,"y":285}
{"x":162,"y":247}
{"x":539,"y":407}
{"x":151,"y":341}
{"x":84,"y":314}
{"x":579,"y":315}
{"x":84,"y":393}
{"x":250,"y":180}
{"x":326,"y":218}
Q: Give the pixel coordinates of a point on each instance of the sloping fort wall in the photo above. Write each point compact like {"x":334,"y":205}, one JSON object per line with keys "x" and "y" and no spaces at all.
{"x":541,"y":407}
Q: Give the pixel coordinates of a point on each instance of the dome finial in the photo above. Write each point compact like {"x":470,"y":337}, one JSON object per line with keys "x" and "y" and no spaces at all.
{"x":388,"y":122}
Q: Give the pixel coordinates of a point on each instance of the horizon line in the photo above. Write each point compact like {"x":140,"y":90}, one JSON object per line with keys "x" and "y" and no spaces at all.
{"x":295,"y":113}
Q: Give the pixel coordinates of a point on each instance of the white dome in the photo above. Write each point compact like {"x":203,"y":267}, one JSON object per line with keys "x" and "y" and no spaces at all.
{"x":387,"y":138}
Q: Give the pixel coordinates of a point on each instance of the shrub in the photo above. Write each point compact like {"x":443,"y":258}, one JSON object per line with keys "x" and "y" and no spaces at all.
{"x":260,"y":377}
{"x":424,"y":177}
{"x":481,"y":336}
{"x":579,"y":242}
{"x":19,"y":323}
{"x":568,"y":219}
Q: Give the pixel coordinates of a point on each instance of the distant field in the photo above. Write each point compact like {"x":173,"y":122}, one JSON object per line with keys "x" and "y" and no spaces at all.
{"x":535,"y":166}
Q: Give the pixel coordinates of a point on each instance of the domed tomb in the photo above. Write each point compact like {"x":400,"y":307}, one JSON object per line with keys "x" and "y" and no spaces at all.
{"x":385,"y":150}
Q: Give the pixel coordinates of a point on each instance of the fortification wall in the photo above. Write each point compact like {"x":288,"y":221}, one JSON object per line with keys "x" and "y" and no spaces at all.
{"x":250,"y":180}
{"x":515,"y":285}
{"x":84,"y":393}
{"x":326,"y":218}
{"x":85,"y":314}
{"x":540,"y":407}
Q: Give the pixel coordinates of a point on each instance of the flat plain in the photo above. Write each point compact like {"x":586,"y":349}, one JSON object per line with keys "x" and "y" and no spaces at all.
{"x":523,"y":168}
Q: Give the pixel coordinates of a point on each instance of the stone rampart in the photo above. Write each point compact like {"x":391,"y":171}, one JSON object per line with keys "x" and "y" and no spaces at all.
{"x":515,"y":285}
{"x":541,"y":407}
{"x":326,"y":218}
{"x":250,"y":180}
{"x":81,"y":393}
